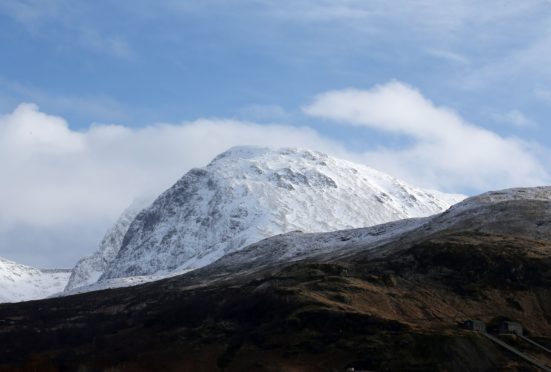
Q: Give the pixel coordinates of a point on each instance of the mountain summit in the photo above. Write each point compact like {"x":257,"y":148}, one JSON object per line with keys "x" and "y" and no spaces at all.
{"x":249,"y":193}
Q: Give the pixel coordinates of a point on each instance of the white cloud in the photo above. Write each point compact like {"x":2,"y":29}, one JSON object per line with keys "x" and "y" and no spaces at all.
{"x":515,"y":118}
{"x":58,"y":179}
{"x":99,"y":107}
{"x":543,"y":94}
{"x":54,"y":171}
{"x":447,"y":151}
{"x":449,"y":56}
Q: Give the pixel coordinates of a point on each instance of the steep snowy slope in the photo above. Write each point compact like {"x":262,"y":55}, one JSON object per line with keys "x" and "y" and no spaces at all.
{"x":520,"y":212}
{"x":89,"y":269}
{"x":23,"y":283}
{"x":249,"y":193}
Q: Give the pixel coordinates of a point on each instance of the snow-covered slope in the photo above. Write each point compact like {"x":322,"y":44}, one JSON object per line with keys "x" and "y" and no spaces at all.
{"x":483,"y":213}
{"x":22,"y":283}
{"x":276,"y":249}
{"x":519,"y":212}
{"x":247,"y":194}
{"x":88,"y":269}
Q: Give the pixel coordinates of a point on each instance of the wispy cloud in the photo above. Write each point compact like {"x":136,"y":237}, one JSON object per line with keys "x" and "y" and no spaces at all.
{"x":56,"y":18}
{"x":112,"y":45}
{"x":99,"y":107}
{"x":429,"y":16}
{"x":32,"y":12}
{"x":515,"y":118}
{"x":449,"y":56}
{"x":517,"y":64}
{"x":543,"y":94}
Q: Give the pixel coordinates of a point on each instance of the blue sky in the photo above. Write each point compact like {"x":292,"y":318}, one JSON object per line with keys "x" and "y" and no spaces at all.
{"x":472,"y":79}
{"x":139,"y":62}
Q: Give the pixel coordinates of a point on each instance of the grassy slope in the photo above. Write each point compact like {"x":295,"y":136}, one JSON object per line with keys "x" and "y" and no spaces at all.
{"x":397,"y":312}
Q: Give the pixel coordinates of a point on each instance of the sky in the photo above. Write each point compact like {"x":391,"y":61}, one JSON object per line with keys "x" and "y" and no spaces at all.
{"x":107,"y":101}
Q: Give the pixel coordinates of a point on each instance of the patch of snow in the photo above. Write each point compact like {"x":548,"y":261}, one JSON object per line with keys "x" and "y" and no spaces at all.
{"x":23,"y":283}
{"x":295,"y":246}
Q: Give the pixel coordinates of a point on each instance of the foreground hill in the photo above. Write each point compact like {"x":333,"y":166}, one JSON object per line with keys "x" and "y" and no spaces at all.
{"x":244,"y":195}
{"x":387,"y":297}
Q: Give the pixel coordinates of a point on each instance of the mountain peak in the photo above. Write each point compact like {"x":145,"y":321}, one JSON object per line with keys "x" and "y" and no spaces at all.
{"x":267,"y":154}
{"x":242,"y":152}
{"x":250,"y":193}
{"x":294,"y":168}
{"x":250,"y":151}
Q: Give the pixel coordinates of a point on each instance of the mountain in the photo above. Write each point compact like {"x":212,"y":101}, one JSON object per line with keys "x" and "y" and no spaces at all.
{"x":387,"y":297}
{"x":88,"y":269}
{"x":249,"y":193}
{"x":516,"y":212}
{"x":23,"y":283}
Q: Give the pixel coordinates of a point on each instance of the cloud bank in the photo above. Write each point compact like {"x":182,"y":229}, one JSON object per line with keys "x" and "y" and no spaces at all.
{"x":62,"y":188}
{"x":447,"y":152}
{"x":53,"y":170}
{"x":55,"y":178}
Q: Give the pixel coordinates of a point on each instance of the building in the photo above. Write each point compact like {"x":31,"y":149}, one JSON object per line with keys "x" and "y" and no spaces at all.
{"x":510,"y":327}
{"x":474,"y":325}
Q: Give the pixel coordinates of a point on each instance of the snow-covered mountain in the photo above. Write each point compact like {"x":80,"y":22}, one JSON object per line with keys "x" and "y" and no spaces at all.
{"x":88,"y":269}
{"x":248,"y":193}
{"x":23,"y":283}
